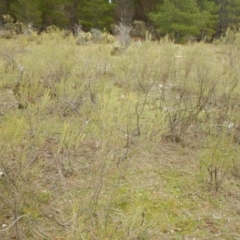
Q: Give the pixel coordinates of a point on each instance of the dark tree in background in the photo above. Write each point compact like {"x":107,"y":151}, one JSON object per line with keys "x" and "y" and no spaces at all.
{"x":178,"y":18}
{"x":143,"y":7}
{"x":124,"y":11}
{"x":233,"y":14}
{"x":209,"y":17}
{"x":27,"y":12}
{"x":228,"y":15}
{"x":70,"y":9}
{"x":53,"y":13}
{"x":222,"y":17}
{"x":95,"y":14}
{"x":3,"y":7}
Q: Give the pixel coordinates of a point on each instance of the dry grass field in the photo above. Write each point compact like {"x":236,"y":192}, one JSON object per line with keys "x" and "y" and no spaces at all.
{"x":143,"y":145}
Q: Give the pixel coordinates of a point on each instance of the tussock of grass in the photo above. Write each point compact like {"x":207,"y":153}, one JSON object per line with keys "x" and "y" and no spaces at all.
{"x":142,"y":145}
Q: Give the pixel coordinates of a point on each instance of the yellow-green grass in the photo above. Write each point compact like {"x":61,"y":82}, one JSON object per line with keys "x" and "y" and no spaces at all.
{"x":95,"y":146}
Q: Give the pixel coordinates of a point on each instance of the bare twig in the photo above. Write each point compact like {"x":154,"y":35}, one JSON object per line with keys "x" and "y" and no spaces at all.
{"x":13,"y":223}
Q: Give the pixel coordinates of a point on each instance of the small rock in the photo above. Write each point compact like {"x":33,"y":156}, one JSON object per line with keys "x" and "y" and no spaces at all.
{"x":4,"y":225}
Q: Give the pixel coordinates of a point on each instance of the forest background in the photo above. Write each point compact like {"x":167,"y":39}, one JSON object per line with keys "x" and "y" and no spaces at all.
{"x":202,"y":19}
